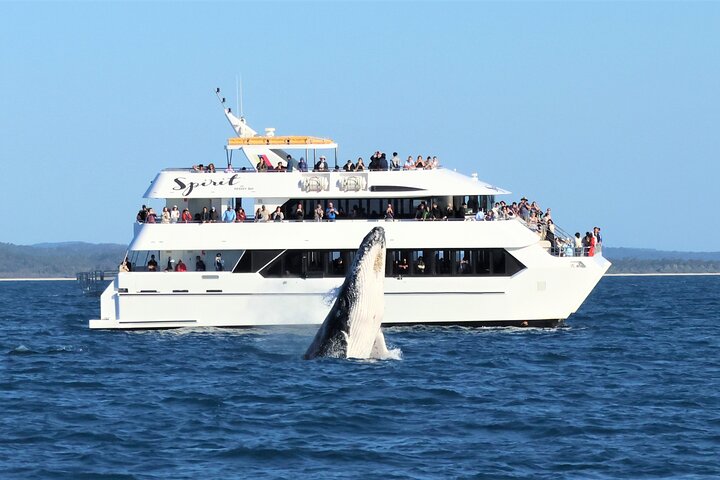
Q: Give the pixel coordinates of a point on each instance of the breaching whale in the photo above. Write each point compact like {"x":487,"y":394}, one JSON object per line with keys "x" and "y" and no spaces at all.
{"x":352,"y":328}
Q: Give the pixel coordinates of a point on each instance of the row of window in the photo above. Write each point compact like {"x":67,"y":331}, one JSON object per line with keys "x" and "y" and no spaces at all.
{"x":374,"y":208}
{"x":405,"y":262}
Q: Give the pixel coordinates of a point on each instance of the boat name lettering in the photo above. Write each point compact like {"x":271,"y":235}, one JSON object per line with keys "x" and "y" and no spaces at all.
{"x":186,"y":187}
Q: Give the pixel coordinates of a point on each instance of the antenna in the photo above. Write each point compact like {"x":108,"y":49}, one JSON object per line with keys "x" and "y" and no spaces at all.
{"x":238,"y":84}
{"x":238,"y":124}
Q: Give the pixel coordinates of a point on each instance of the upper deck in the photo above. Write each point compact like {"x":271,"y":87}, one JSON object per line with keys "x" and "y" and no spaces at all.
{"x":185,"y":183}
{"x":270,"y":150}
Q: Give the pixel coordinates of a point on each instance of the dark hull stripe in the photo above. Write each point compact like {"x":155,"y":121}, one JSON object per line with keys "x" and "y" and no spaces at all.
{"x":272,"y":294}
{"x":546,"y":323}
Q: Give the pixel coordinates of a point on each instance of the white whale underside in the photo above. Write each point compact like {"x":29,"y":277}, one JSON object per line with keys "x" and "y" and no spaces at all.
{"x":352,"y":328}
{"x":366,"y":314}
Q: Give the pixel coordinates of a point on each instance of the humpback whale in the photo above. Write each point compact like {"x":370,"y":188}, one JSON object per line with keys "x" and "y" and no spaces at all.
{"x":352,"y":328}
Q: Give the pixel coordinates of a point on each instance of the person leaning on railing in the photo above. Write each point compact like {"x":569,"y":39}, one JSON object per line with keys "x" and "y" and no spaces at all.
{"x":240,"y":215}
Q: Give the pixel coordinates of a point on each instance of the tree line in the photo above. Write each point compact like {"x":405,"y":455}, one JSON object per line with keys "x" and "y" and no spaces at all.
{"x":58,"y":260}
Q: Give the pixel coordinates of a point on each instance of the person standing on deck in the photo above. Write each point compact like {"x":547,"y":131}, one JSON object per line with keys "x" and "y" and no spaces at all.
{"x":229,"y":215}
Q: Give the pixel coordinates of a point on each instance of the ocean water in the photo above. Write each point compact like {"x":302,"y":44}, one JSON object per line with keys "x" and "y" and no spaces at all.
{"x":629,"y":388}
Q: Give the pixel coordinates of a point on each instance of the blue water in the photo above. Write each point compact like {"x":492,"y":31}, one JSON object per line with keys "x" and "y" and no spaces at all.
{"x":629,"y":388}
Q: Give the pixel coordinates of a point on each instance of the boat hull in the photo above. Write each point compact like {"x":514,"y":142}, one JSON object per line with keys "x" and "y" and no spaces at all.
{"x":541,"y":295}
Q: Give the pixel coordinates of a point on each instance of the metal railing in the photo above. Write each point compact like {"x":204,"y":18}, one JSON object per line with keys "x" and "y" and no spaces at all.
{"x":559,"y":242}
{"x":307,"y":170}
{"x":94,"y":282}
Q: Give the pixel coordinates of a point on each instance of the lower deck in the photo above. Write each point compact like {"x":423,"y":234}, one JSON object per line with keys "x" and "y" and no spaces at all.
{"x":546,"y":292}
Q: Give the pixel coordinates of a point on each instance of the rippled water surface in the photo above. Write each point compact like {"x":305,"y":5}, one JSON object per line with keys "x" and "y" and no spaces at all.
{"x":629,"y":388}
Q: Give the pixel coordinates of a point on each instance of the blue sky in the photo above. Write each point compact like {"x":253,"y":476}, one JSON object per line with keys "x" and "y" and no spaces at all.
{"x":606,"y":112}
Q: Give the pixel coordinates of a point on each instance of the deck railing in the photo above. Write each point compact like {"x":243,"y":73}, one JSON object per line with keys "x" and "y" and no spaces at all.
{"x":95,"y":281}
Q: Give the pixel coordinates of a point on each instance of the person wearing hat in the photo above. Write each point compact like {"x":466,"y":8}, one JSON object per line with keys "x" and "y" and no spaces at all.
{"x":321,"y":165}
{"x":524,"y":209}
{"x":219,"y":263}
{"x":174,"y":214}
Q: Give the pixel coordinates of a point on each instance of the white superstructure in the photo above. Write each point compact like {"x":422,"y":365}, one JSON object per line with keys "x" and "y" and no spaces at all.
{"x":280,"y":273}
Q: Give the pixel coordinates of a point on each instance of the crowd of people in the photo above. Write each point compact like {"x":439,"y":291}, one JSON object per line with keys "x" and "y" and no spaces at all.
{"x":173,"y":266}
{"x":207,"y":215}
{"x":530,"y":213}
{"x":378,"y":162}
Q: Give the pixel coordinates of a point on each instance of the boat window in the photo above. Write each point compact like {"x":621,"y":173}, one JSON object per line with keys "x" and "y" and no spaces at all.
{"x":405,"y":208}
{"x":244,"y":265}
{"x":482,"y":262}
{"x":315,"y":263}
{"x":274,"y":268}
{"x":293,"y":260}
{"x":498,"y":263}
{"x":376,"y":206}
{"x":337,"y":265}
{"x":462,"y":263}
{"x":419,"y":267}
{"x":254,"y":260}
{"x":399,"y":262}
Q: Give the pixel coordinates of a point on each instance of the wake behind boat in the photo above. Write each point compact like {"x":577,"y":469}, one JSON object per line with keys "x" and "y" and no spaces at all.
{"x":275,"y":267}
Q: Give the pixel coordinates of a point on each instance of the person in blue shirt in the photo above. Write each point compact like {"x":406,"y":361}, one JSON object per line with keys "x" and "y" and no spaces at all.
{"x":330,"y":212}
{"x":229,"y":215}
{"x":302,"y":165}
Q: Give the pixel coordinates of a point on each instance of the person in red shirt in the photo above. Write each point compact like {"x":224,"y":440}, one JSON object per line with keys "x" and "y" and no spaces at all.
{"x":186,"y":216}
{"x":180,"y":267}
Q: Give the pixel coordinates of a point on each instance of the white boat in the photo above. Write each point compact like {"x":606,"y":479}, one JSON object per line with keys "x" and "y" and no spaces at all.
{"x":481,"y":273}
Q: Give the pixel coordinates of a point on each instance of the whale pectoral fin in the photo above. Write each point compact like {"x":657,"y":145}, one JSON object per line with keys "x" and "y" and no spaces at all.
{"x":379,"y":349}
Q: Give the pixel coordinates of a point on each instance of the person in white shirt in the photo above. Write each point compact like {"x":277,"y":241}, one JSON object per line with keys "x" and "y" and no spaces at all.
{"x":174,"y":214}
{"x":410,"y":163}
{"x":165,"y":215}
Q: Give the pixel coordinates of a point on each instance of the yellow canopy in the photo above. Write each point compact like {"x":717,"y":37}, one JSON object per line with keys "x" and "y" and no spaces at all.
{"x":280,"y":140}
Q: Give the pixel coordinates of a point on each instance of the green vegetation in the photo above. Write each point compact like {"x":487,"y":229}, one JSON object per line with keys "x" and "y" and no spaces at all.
{"x":58,"y":259}
{"x":663,"y":265}
{"x":644,"y":260}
